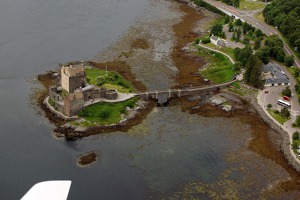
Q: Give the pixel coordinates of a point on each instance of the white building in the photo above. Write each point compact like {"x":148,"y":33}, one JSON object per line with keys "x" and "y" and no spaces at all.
{"x":217,"y":41}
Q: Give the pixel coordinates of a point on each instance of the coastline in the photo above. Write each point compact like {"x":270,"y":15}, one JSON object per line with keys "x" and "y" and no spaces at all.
{"x":181,"y":62}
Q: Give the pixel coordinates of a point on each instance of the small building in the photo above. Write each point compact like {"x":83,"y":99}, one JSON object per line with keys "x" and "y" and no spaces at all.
{"x":217,"y":41}
{"x":275,"y":76}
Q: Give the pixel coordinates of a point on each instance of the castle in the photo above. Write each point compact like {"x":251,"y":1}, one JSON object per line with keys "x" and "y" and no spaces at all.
{"x":73,"y":93}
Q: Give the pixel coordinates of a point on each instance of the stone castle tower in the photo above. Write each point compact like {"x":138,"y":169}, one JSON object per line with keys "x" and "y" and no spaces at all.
{"x":72,"y":77}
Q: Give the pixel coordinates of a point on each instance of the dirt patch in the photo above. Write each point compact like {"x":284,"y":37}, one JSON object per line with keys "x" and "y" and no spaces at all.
{"x":140,"y":44}
{"x":187,"y":63}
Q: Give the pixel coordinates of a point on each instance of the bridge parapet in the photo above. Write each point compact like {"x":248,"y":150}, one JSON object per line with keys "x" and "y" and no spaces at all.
{"x":182,"y":92}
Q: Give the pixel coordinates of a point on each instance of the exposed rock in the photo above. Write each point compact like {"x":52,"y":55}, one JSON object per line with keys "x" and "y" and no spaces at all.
{"x":227,"y":108}
{"x":217,"y":100}
{"x":87,"y":158}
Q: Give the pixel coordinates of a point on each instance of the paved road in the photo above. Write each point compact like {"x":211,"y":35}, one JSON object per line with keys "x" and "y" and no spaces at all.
{"x":249,"y":17}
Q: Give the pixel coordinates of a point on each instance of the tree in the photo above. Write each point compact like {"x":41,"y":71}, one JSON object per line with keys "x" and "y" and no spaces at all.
{"x":258,"y":33}
{"x":253,"y":71}
{"x":216,"y":29}
{"x":238,"y":35}
{"x":257,"y":43}
{"x":246,"y":40}
{"x":297,"y":72}
{"x":227,"y":19}
{"x":285,"y":15}
{"x":289,"y":60}
{"x":238,"y":65}
{"x":242,"y":55}
{"x":285,"y":113}
{"x":286,"y":92}
{"x":230,"y":27}
{"x":265,"y":54}
{"x":233,"y":36}
{"x":238,"y":22}
{"x":269,"y":106}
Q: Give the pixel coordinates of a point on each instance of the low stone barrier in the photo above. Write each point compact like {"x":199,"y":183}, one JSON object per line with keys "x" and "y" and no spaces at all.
{"x":58,"y":113}
{"x":285,"y":144}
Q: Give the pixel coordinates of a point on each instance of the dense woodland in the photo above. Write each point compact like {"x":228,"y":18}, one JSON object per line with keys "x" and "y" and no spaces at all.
{"x":285,"y":15}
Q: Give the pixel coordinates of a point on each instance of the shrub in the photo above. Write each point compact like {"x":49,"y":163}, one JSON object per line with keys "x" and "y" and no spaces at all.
{"x":297,"y":122}
{"x":269,"y":106}
{"x":287,"y":92}
{"x":295,"y":144}
{"x":83,"y":113}
{"x":100,"y":80}
{"x":296,"y":135}
{"x":276,"y":111}
{"x":285,"y":113}
{"x":206,"y":40}
{"x":197,"y":40}
{"x":51,"y":102}
{"x":104,"y":114}
{"x":122,"y":110}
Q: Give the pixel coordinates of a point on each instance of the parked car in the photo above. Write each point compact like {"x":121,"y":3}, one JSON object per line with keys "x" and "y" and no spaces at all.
{"x":286,"y":98}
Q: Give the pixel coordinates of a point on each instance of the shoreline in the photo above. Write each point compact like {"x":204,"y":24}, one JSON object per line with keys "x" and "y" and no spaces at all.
{"x":181,"y":62}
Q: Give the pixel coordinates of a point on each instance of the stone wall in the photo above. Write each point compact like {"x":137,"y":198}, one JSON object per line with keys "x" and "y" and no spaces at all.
{"x":285,"y":144}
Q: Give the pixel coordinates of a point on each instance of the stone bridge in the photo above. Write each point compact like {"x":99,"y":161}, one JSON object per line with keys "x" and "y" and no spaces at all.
{"x":171,"y":93}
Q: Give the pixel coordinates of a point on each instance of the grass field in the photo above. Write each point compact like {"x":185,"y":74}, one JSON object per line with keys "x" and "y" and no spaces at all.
{"x":251,"y":5}
{"x":259,"y":16}
{"x":219,"y":69}
{"x":277,"y":117}
{"x":103,"y":113}
{"x":110,"y":80}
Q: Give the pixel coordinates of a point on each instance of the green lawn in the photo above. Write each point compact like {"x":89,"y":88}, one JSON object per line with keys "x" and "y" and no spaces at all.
{"x":251,"y":5}
{"x":110,"y":80}
{"x":219,"y":68}
{"x":277,"y":117}
{"x":259,"y":16}
{"x":104,"y":113}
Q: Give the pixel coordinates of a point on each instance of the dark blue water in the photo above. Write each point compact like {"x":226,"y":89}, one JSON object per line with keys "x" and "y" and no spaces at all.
{"x":154,"y":159}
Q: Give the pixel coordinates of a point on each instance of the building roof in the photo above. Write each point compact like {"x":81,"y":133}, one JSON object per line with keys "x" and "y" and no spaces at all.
{"x":220,"y":43}
{"x":214,"y":38}
{"x":278,"y":76}
{"x":72,"y":70}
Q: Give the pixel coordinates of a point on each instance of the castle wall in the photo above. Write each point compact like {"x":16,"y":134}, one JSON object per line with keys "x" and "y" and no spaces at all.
{"x":73,"y":105}
{"x":53,"y":94}
{"x":76,"y":82}
{"x":111,"y":95}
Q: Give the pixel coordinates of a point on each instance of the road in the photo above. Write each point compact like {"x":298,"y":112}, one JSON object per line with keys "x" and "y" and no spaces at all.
{"x":249,"y":17}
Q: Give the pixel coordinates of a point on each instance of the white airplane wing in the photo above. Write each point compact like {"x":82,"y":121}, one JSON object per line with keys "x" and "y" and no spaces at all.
{"x":47,"y":190}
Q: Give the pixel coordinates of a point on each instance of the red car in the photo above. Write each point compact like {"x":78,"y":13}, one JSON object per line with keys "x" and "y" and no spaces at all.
{"x":286,"y":98}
